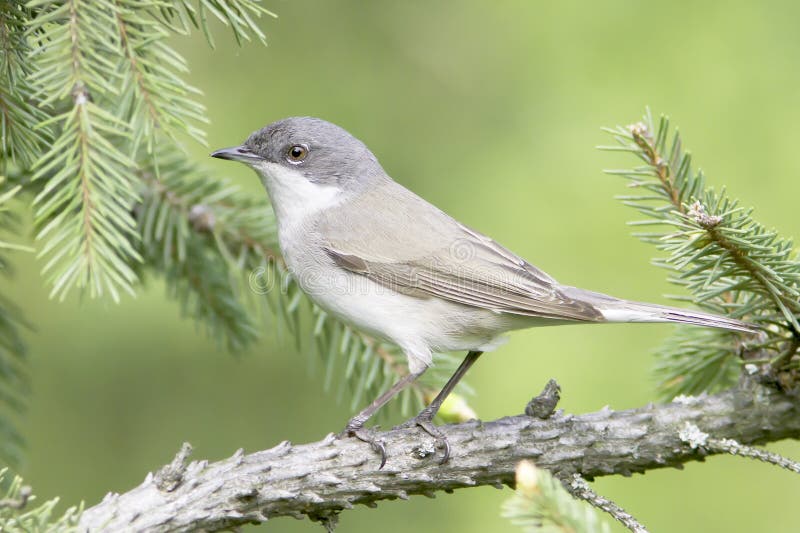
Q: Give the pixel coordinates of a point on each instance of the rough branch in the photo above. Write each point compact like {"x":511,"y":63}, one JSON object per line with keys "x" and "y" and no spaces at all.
{"x":321,"y":478}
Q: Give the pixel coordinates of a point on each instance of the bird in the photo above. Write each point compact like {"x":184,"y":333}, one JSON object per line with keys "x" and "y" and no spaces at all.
{"x":379,"y":257}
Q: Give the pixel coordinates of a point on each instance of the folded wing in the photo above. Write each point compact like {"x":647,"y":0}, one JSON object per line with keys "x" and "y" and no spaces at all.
{"x":418,"y":250}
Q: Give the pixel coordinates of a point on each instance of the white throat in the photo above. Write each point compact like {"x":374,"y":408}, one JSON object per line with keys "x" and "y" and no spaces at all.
{"x":293,"y":197}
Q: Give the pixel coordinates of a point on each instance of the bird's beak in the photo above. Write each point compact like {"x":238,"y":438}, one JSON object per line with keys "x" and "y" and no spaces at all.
{"x":237,"y":153}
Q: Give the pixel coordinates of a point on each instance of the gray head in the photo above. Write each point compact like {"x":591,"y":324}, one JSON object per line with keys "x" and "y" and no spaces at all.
{"x":321,"y":152}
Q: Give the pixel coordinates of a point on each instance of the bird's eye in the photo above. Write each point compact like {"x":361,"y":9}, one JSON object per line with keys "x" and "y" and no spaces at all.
{"x":296,"y":153}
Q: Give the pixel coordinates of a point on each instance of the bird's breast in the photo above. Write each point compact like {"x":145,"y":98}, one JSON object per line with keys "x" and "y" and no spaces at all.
{"x":406,"y":320}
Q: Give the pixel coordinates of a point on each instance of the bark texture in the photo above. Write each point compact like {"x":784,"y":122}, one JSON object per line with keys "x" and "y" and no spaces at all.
{"x":320,"y":479}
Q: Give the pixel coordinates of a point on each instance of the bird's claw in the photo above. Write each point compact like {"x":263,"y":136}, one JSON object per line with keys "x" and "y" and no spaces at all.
{"x":425,"y":423}
{"x":365,"y":435}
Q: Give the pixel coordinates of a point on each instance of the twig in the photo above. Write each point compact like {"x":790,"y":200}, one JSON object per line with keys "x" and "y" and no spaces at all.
{"x":544,"y":404}
{"x":170,"y":476}
{"x":697,"y":439}
{"x":578,"y":487}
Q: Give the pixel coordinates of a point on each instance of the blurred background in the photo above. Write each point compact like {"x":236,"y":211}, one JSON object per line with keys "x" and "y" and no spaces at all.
{"x":492,"y":111}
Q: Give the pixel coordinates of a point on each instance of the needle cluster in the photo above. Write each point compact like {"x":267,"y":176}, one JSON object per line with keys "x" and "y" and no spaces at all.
{"x":725,"y":260}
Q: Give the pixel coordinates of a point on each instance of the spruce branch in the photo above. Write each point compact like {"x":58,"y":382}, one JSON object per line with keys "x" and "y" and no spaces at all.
{"x":20,"y":142}
{"x":730,"y":264}
{"x":696,"y":360}
{"x":14,"y":383}
{"x":154,"y":98}
{"x":197,"y":276}
{"x":239,"y":15}
{"x":105,"y":82}
{"x":84,"y":209}
{"x":86,"y":87}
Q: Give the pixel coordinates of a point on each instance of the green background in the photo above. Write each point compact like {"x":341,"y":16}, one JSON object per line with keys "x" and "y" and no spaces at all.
{"x":492,"y":111}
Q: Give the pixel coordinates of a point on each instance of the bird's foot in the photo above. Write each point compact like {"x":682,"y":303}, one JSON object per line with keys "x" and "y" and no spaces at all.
{"x":425,"y":422}
{"x":354,"y":429}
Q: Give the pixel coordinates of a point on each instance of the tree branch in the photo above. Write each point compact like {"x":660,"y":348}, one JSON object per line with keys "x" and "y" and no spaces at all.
{"x":319,"y":479}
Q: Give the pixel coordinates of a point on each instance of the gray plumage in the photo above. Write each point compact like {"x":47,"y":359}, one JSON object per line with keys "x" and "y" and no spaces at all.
{"x":336,"y":156}
{"x":395,"y":238}
{"x":375,"y":254}
{"x":421,"y":251}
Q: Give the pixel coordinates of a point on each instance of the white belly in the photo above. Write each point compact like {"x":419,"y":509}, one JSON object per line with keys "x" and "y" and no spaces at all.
{"x":419,"y":326}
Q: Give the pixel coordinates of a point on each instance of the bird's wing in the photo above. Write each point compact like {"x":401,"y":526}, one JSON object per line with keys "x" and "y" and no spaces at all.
{"x":416,"y":249}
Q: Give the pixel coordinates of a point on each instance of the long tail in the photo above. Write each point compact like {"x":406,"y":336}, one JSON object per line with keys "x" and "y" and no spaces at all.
{"x":616,"y":310}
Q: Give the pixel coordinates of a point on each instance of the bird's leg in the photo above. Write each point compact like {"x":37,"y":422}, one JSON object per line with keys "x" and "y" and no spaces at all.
{"x":425,"y":418}
{"x":355,"y":427}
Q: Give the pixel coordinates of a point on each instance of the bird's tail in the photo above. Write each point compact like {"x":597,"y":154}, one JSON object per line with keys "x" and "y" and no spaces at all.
{"x":616,"y":310}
